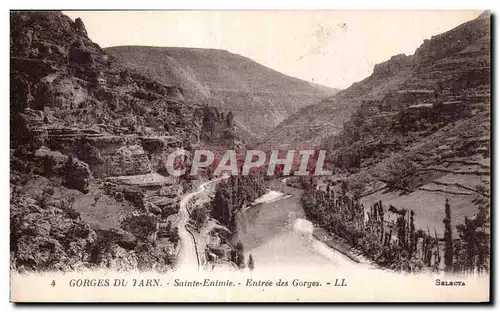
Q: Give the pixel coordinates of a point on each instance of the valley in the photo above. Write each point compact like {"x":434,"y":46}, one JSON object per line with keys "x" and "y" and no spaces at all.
{"x":91,"y":130}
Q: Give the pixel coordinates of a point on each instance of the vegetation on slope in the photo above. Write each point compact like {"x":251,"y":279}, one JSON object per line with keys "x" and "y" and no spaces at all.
{"x":388,"y":235}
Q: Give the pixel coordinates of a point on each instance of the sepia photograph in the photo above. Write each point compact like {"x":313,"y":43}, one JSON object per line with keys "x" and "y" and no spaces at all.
{"x":250,"y":156}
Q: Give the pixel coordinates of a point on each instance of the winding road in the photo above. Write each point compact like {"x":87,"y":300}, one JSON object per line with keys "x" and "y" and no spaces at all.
{"x":188,"y":258}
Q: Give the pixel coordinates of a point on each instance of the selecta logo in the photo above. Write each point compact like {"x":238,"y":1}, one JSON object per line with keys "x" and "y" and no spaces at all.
{"x":292,"y":162}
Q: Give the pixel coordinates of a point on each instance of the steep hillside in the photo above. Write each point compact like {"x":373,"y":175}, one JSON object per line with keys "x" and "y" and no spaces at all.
{"x":307,"y":127}
{"x":411,"y":184}
{"x":466,"y":43}
{"x":426,"y":137}
{"x":259,"y":97}
{"x":88,"y":142}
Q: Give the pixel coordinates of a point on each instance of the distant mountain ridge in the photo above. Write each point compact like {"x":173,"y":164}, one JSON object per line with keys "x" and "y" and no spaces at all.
{"x":259,"y":97}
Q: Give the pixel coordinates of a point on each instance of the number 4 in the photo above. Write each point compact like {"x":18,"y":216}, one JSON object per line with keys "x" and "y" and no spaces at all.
{"x":53,"y":283}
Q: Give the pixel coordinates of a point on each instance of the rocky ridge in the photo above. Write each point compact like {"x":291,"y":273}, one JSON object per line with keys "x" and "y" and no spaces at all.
{"x":426,"y":138}
{"x":461,"y":54}
{"x":79,"y":119}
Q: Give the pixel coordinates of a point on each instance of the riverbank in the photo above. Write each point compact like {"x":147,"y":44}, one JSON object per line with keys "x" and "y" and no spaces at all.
{"x":270,"y":196}
{"x":276,"y":233}
{"x":330,"y":240}
{"x":339,"y":244}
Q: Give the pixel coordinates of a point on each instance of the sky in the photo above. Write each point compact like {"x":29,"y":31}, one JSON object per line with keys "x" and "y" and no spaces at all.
{"x":332,"y":48}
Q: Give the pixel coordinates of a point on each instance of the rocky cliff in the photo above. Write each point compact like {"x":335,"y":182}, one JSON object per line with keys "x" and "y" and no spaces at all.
{"x":446,"y":66}
{"x":79,"y":118}
{"x":417,"y":131}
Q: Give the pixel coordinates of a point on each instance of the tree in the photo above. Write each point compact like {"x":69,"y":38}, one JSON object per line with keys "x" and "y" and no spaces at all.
{"x":448,"y":242}
{"x":174,"y":236}
{"x":237,"y":255}
{"x":401,"y":225}
{"x":466,"y":234}
{"x":251,"y":264}
{"x":221,"y":207}
{"x":344,"y":216}
{"x":482,"y":222}
{"x":233,"y":194}
{"x":437,"y":257}
{"x":229,"y":119}
{"x":413,"y":238}
{"x":472,"y":252}
{"x":199,"y":215}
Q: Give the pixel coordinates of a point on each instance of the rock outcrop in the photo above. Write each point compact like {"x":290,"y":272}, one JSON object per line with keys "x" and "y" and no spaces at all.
{"x":393,"y":66}
{"x":76,"y":173}
{"x":79,"y":116}
{"x":57,"y":69}
{"x":45,"y":233}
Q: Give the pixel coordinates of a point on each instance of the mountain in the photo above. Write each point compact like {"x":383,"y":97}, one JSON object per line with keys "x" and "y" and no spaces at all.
{"x":259,"y":97}
{"x":89,"y":139}
{"x":416,"y":132}
{"x":311,"y":125}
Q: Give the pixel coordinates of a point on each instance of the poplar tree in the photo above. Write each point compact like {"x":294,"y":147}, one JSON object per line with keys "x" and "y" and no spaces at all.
{"x":251,"y":264}
{"x":413,"y":243}
{"x":448,"y":247}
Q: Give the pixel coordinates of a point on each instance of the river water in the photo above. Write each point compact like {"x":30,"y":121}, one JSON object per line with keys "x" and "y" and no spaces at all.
{"x":277,"y":234}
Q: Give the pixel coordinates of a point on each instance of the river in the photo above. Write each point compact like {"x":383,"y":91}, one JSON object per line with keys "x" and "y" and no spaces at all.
{"x":277,"y":234}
